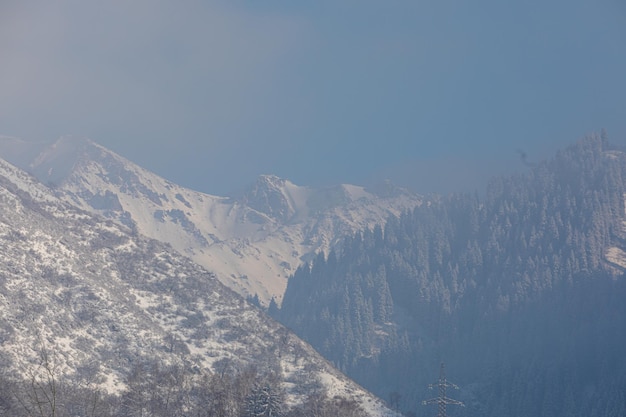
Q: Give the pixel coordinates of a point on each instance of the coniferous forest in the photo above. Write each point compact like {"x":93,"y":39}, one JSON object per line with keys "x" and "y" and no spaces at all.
{"x":520,"y":292}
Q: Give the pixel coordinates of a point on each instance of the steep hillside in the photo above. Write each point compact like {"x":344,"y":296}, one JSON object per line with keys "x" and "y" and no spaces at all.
{"x":87,"y":303}
{"x":521,"y":294}
{"x":252,"y":243}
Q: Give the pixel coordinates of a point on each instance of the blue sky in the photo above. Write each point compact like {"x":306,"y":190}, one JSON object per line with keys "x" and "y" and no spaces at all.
{"x":435,"y":95}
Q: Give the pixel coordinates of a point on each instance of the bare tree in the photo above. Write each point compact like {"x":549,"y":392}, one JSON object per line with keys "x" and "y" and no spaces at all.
{"x":39,"y":394}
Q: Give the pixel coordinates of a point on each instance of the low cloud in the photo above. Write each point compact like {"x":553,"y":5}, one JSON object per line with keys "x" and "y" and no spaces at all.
{"x":73,"y":67}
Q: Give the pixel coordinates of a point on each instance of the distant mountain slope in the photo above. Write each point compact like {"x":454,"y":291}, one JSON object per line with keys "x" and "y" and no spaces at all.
{"x":521,"y":293}
{"x":99,"y":300}
{"x":252,"y":243}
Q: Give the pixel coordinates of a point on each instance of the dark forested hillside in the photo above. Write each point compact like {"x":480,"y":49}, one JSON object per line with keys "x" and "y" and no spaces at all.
{"x":521,"y":293}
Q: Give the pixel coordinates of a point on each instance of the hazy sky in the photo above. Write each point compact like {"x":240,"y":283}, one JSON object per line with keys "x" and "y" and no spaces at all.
{"x":436,"y":95}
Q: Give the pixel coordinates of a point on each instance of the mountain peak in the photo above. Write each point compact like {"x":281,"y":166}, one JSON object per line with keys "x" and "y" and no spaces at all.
{"x":385,"y":189}
{"x":59,"y":159}
{"x":270,"y":195}
{"x":271,"y":180}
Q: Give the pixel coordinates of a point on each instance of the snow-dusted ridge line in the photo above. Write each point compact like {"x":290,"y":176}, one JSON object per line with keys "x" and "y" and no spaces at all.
{"x":253,"y":243}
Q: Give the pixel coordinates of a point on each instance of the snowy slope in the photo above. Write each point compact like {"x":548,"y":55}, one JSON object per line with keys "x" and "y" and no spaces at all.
{"x":252,"y":243}
{"x":99,"y":298}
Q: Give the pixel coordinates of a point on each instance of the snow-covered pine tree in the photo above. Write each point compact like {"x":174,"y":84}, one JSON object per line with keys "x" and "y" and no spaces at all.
{"x":263,"y":401}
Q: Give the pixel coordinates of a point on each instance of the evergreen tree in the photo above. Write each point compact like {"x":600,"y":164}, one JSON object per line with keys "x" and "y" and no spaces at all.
{"x":263,"y":401}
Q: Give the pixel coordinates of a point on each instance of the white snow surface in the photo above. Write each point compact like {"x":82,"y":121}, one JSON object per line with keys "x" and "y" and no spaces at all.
{"x":252,"y":244}
{"x":615,"y":255}
{"x":91,"y":291}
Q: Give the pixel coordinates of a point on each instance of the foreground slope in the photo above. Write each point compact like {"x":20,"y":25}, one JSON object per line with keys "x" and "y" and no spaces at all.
{"x":252,"y":243}
{"x":101,"y":299}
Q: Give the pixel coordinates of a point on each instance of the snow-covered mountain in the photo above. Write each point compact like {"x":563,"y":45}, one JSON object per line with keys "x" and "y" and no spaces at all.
{"x":253,"y":243}
{"x":99,"y":298}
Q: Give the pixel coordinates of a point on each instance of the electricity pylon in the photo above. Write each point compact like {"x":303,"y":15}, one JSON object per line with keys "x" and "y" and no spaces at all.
{"x":442,"y":400}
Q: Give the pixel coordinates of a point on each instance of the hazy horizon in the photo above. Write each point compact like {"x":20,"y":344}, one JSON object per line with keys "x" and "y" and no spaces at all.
{"x":434,"y":96}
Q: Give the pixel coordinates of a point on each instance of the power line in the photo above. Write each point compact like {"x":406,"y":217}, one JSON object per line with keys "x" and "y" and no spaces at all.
{"x":442,"y":400}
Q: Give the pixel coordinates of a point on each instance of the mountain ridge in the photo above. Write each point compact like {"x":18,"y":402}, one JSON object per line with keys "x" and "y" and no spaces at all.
{"x":253,"y":243}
